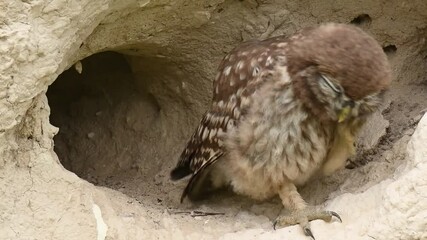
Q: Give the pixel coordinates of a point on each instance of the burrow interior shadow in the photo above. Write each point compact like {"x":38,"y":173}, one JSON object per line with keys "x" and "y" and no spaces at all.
{"x":106,"y":123}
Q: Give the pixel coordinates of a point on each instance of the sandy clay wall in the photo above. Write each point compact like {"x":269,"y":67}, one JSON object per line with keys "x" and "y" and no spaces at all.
{"x":98,"y":97}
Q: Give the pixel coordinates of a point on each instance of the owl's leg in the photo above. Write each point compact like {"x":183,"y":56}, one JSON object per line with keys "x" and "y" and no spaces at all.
{"x":300,"y":213}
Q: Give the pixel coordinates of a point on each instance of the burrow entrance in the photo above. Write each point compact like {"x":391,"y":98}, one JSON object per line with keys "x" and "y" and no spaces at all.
{"x":120,"y":122}
{"x":105,"y":121}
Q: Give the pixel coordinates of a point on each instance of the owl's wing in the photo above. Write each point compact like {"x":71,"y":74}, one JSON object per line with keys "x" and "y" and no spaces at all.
{"x":203,"y":149}
{"x":240,"y":73}
{"x":204,"y":146}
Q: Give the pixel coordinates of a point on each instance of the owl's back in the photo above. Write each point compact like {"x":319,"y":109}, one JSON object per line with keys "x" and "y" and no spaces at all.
{"x":240,"y":74}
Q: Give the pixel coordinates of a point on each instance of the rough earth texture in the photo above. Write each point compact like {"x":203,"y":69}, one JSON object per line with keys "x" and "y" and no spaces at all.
{"x":98,"y":97}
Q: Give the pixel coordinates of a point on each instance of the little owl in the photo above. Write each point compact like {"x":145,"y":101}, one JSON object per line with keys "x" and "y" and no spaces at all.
{"x":283,"y":111}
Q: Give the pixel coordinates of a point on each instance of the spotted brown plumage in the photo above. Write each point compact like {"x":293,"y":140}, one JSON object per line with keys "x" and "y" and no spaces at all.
{"x":283,"y":111}
{"x":238,"y":76}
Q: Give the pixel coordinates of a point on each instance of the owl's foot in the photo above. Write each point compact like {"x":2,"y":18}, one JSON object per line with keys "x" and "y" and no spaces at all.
{"x":303,"y":218}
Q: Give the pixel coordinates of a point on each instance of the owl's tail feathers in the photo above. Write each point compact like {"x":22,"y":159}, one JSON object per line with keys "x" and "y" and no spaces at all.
{"x":180,"y":171}
{"x":200,"y":184}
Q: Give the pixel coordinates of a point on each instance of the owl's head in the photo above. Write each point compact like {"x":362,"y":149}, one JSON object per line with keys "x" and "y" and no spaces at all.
{"x":338,"y":71}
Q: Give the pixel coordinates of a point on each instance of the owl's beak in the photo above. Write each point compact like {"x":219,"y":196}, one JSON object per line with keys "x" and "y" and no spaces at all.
{"x":345,"y":111}
{"x":342,"y":116}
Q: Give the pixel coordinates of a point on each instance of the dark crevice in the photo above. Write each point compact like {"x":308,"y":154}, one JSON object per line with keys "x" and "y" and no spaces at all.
{"x":390,"y":49}
{"x":362,"y":20}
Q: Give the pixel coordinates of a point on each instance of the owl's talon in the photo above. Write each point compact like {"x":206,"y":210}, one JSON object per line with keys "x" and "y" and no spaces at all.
{"x":336,"y":215}
{"x":303,"y":218}
{"x":308,"y":232}
{"x":274,"y":225}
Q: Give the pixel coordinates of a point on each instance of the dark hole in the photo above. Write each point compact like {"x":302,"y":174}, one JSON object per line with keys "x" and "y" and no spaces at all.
{"x":100,"y":115}
{"x":362,"y":19}
{"x":390,"y":49}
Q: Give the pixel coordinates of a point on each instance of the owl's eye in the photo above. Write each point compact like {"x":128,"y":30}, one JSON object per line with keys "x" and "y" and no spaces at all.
{"x":330,"y":84}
